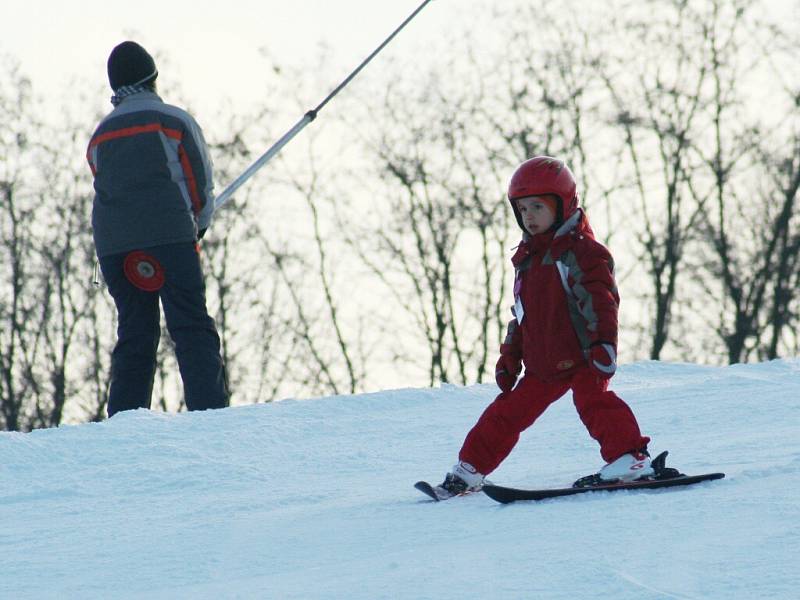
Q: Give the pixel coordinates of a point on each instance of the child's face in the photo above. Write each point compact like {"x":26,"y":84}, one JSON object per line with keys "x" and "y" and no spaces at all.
{"x":537,"y":215}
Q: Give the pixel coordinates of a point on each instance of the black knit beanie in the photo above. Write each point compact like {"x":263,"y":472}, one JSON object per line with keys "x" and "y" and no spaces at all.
{"x":130,"y":64}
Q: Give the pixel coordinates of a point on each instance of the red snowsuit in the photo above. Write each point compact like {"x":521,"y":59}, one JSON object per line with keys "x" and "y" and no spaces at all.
{"x":565,"y":299}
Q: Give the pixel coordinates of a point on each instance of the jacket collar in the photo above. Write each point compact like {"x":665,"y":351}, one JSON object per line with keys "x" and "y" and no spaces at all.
{"x":139,"y":96}
{"x":570,"y":223}
{"x":557,"y":241}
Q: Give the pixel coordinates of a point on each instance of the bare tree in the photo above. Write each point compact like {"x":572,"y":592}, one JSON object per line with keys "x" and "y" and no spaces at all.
{"x":751,"y":228}
{"x":540,"y":86}
{"x":320,"y":352}
{"x":392,"y":252}
{"x":442,"y":230}
{"x":435,"y":238}
{"x":20,"y":300}
{"x":66,"y":279}
{"x":307,"y":344}
{"x":16,"y":311}
{"x":310,"y":189}
{"x":227,"y":249}
{"x":784,"y":315}
{"x":657,"y":101}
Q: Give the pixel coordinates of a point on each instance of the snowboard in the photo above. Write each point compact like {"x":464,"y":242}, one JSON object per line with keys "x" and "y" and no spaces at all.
{"x":507,"y":494}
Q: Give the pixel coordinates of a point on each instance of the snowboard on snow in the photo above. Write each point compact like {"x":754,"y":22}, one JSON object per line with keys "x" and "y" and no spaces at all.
{"x":663,"y":477}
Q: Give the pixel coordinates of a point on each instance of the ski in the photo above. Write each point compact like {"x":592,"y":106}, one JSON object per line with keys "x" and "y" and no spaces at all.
{"x":427,"y":489}
{"x":436,"y":492}
{"x":506,"y":495}
{"x":663,"y":477}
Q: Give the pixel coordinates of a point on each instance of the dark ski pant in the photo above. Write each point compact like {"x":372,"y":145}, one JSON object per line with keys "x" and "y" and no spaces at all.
{"x":606,"y":416}
{"x":197,"y":345}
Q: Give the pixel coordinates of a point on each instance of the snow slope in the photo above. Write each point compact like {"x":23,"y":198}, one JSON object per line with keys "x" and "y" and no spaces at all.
{"x":314,"y":499}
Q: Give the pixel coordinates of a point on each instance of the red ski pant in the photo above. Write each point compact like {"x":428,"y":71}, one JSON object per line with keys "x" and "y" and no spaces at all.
{"x":609,"y":420}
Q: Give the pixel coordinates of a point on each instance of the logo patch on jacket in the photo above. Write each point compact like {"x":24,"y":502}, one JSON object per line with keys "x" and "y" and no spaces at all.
{"x":565,"y":364}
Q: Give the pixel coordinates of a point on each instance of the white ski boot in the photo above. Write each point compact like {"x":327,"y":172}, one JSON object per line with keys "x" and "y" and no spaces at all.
{"x":461,"y":480}
{"x":628,"y":467}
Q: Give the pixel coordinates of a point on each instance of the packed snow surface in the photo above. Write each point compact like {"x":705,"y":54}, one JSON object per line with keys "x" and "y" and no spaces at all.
{"x":314,"y":499}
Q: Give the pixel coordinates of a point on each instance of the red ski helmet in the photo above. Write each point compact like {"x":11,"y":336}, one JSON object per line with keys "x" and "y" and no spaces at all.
{"x":544,"y":175}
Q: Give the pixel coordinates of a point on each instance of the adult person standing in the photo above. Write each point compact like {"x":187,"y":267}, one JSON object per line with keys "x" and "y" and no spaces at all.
{"x":153,"y":202}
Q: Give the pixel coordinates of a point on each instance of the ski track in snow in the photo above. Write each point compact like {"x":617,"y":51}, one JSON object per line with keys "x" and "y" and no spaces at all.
{"x":314,"y":499}
{"x":642,"y":587}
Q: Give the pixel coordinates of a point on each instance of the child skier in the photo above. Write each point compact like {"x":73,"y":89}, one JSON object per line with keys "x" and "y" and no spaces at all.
{"x":564,"y":331}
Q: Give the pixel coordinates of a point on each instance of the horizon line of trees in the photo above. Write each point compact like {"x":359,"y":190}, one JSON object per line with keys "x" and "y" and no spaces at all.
{"x":381,"y":255}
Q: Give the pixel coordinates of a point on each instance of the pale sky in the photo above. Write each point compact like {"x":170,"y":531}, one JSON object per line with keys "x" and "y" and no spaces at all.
{"x":213,"y":47}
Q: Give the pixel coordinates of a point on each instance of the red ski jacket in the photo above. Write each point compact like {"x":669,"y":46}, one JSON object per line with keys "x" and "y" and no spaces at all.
{"x":565,"y":299}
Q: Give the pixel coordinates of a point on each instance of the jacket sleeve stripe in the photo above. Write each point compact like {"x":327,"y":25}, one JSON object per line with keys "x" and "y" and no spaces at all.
{"x":191,"y":182}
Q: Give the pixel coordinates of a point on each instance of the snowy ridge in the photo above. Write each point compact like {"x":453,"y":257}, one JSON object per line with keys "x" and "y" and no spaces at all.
{"x":314,"y":499}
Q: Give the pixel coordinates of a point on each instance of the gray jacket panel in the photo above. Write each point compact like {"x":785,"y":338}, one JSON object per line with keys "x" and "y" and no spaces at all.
{"x":152,"y":176}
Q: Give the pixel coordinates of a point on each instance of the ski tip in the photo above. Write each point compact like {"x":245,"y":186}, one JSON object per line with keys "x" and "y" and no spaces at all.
{"x":427,"y":489}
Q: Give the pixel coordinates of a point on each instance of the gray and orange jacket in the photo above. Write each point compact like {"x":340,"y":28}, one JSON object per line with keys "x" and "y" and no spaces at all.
{"x":152,"y":176}
{"x":566,"y":300}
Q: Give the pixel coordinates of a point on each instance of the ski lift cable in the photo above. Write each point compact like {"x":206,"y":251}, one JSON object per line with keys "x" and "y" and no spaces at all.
{"x":307,"y":118}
